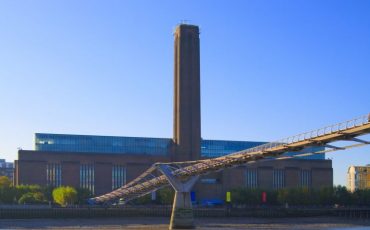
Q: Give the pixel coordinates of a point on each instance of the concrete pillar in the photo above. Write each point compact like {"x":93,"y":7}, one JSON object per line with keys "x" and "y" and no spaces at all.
{"x":182,"y":211}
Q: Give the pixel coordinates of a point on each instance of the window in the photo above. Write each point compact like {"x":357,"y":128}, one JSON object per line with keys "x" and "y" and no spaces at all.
{"x":118,"y":176}
{"x":87,"y":177}
{"x":278,"y":178}
{"x":102,"y":144}
{"x":54,"y":174}
{"x":216,"y":148}
{"x":305,"y":178}
{"x":251,"y":178}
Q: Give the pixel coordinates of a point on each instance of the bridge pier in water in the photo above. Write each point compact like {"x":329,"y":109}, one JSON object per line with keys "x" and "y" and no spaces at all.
{"x":182,"y":211}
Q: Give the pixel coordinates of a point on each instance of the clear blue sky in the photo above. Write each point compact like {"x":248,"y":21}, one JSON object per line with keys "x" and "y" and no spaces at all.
{"x":269,"y":69}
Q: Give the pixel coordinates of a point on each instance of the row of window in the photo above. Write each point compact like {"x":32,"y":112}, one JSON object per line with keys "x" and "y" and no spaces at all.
{"x":217,"y":148}
{"x":101,"y":144}
{"x":306,"y":178}
{"x":278,"y":178}
{"x":118,"y":176}
{"x":145,"y":145}
{"x":54,"y":174}
{"x":251,"y":178}
{"x":87,"y":176}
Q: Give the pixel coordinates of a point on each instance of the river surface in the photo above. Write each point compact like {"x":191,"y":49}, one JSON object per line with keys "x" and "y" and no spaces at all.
{"x":155,"y":223}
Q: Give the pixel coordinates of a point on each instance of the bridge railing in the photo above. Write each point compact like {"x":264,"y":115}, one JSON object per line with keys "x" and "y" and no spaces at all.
{"x":359,"y":121}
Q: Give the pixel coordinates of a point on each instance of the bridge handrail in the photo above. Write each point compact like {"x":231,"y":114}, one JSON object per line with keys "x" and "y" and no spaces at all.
{"x":310,"y":134}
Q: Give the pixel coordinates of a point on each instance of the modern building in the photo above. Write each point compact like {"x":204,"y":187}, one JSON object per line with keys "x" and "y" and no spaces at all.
{"x":103,"y":163}
{"x":6,"y":169}
{"x":358,"y":177}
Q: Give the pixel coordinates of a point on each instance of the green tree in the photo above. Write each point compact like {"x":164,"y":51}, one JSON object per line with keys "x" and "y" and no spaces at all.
{"x":361,"y":197}
{"x":5,"y":182}
{"x":282,"y":196}
{"x":7,"y":195}
{"x":65,"y":195}
{"x":165,"y":195}
{"x":82,"y":195}
{"x":143,"y":199}
{"x":326,"y":196}
{"x":252,"y":196}
{"x":272,"y":197}
{"x":20,"y":190}
{"x":342,"y":195}
{"x":238,"y":196}
{"x":32,"y":198}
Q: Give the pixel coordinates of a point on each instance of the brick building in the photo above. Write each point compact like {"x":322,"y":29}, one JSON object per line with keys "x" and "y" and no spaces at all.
{"x":103,"y":163}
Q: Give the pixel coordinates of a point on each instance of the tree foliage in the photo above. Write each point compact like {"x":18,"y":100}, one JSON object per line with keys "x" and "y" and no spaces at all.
{"x":165,"y":195}
{"x":32,"y":198}
{"x":7,"y":195}
{"x":20,"y":190}
{"x":82,"y":195}
{"x":5,"y":182}
{"x":65,"y":195}
{"x":303,"y":196}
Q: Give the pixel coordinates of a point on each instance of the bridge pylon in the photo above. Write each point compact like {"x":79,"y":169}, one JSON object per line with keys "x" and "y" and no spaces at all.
{"x":182,"y":211}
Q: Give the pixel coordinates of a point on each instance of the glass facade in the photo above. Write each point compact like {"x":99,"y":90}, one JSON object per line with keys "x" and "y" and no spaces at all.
{"x":101,"y":144}
{"x":320,"y":156}
{"x":54,"y":174}
{"x":217,"y":148}
{"x":144,"y":145}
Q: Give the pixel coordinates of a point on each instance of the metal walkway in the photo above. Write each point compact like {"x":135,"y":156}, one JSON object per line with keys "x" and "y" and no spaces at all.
{"x":152,"y":180}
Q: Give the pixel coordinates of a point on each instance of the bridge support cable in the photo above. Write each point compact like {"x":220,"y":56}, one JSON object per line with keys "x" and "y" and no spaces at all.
{"x":359,"y":140}
{"x":149,"y":181}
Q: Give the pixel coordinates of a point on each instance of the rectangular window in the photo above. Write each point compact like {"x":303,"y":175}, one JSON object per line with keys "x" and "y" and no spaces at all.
{"x":278,"y":178}
{"x":54,"y":174}
{"x":306,"y":178}
{"x":87,"y":177}
{"x":251,"y":178}
{"x":118,"y":176}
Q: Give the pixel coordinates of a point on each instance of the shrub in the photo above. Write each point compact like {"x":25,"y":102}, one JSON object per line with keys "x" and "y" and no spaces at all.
{"x":5,"y":182}
{"x":82,"y":195}
{"x":165,"y":195}
{"x":7,"y":195}
{"x":65,"y":195}
{"x":32,"y":198}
